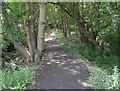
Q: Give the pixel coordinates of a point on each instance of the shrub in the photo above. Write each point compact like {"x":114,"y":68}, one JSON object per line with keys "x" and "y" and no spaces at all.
{"x":73,"y":45}
{"x":17,"y":79}
{"x":100,"y":79}
{"x":104,"y":78}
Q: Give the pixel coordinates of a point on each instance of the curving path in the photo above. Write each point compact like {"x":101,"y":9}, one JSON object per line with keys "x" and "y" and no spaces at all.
{"x":61,"y":70}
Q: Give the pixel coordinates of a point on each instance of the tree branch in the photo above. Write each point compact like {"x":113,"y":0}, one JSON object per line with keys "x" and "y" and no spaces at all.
{"x":14,"y":18}
{"x":63,"y":7}
{"x":35,"y":14}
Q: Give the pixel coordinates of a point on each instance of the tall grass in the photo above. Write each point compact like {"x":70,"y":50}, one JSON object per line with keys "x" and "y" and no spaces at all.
{"x":101,"y":79}
{"x":17,"y":79}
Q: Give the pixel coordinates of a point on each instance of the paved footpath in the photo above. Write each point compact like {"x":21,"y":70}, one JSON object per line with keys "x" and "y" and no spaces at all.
{"x":61,"y":70}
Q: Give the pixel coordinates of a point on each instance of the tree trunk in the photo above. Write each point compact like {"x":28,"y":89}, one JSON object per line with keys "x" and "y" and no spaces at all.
{"x":17,"y":45}
{"x":41,"y":28}
{"x":64,"y":29}
{"x":32,"y":26}
{"x":65,"y":26}
{"x":86,"y":38}
{"x":84,"y":34}
{"x":68,"y":28}
{"x":22,"y":50}
{"x":29,"y":33}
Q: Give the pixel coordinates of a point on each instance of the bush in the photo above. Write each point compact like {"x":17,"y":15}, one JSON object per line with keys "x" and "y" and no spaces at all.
{"x":104,"y":78}
{"x":17,"y":79}
{"x":73,"y":45}
{"x":100,"y":79}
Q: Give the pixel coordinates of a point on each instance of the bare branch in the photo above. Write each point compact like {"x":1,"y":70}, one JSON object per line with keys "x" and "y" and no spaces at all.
{"x":35,"y":14}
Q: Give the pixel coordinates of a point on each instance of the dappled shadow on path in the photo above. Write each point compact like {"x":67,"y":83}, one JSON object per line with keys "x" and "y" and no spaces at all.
{"x":61,"y":71}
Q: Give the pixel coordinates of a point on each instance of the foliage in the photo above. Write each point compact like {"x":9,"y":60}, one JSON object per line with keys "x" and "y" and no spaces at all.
{"x":97,"y":21}
{"x":104,"y":73}
{"x":12,"y":35}
{"x":101,"y":60}
{"x":17,"y":79}
{"x":100,"y":79}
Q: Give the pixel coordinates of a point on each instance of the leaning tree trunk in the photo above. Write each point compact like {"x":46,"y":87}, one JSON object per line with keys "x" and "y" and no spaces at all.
{"x":22,"y":50}
{"x":17,"y":45}
{"x":86,"y":38}
{"x":41,"y":28}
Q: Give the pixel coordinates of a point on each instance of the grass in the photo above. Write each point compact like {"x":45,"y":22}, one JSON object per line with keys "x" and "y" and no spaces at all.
{"x":100,"y":79}
{"x":104,"y":72}
{"x":17,"y":79}
{"x":85,"y":51}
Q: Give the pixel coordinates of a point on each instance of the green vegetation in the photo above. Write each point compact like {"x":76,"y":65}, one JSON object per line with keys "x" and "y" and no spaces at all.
{"x":86,"y":51}
{"x":17,"y":79}
{"x":100,"y":79}
{"x":99,"y":44}
{"x":104,"y":71}
{"x":86,"y":30}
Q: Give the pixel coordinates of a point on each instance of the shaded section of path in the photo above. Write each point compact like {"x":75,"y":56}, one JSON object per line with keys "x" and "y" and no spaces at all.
{"x":61,"y":71}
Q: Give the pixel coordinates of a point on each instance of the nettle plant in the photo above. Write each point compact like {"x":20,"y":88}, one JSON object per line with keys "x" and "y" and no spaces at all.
{"x":17,"y":79}
{"x":100,"y":79}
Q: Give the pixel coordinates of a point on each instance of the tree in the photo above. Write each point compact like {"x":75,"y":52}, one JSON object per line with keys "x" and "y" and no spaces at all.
{"x":8,"y":20}
{"x":91,"y":19}
{"x":41,"y":29}
{"x":26,"y":20}
{"x":29,"y":32}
